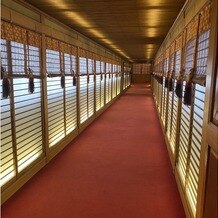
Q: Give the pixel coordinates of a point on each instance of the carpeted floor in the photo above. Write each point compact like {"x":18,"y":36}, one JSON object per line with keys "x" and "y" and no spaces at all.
{"x":117,"y":168}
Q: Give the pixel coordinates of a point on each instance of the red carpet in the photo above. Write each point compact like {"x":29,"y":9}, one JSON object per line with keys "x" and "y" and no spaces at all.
{"x":117,"y":168}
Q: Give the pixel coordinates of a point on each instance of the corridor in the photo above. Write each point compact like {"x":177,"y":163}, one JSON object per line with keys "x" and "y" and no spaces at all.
{"x":118,"y":167}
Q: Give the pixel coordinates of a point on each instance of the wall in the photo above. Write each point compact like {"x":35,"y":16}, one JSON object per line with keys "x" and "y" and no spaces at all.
{"x":183,"y":85}
{"x":75,"y":80}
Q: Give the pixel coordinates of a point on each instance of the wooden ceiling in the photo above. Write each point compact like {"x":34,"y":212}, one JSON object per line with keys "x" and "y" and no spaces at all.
{"x":132,"y":28}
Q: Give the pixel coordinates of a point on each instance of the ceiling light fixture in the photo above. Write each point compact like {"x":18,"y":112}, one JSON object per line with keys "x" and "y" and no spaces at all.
{"x":80,"y":20}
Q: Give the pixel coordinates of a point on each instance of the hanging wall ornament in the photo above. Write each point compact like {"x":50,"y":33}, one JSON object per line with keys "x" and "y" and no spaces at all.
{"x":167,"y":80}
{"x":189,"y":89}
{"x":62,"y":80}
{"x":161,"y":79}
{"x":170,"y":82}
{"x":74,"y":77}
{"x":5,"y":84}
{"x":74,"y":80}
{"x":178,"y":89}
{"x":31,"y":86}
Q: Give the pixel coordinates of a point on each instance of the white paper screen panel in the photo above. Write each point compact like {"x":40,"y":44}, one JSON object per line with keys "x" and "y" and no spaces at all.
{"x":114,"y":86}
{"x":90,"y":88}
{"x":170,"y":104}
{"x":102,"y":84}
{"x":107,"y":82}
{"x":118,"y":84}
{"x":4,"y":55}
{"x":184,"y":140}
{"x":174,"y":120}
{"x":169,"y":114}
{"x":55,"y":99}
{"x":189,"y":55}
{"x":125,"y":81}
{"x":119,"y":80}
{"x":55,"y":96}
{"x":156,"y":91}
{"x":83,"y":90}
{"x":113,"y":78}
{"x":70,"y":94}
{"x":198,"y":112}
{"x":165,"y":92}
{"x":28,"y":115}
{"x":28,"y":122}
{"x":71,"y":104}
{"x":91,"y":95}
{"x":52,"y":61}
{"x":17,"y":56}
{"x":163,"y":101}
{"x":202,"y":52}
{"x":98,"y":85}
{"x":33,"y":59}
{"x":160,"y":96}
{"x":110,"y":83}
{"x":107,"y":88}
{"x":178,"y":61}
{"x":98,"y":92}
{"x":129,"y":79}
{"x":68,"y":63}
{"x":185,"y":127}
{"x":175,"y":104}
{"x":7,"y":157}
{"x":195,"y":149}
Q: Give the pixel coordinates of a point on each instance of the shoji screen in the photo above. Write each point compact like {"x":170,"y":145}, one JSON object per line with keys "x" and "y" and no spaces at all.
{"x":28,"y":114}
{"x":98,"y":83}
{"x":198,"y":108}
{"x":170,"y":99}
{"x":20,"y":58}
{"x":55,"y":93}
{"x":164,"y":96}
{"x":110,"y":81}
{"x":114,"y":80}
{"x":116,"y":75}
{"x":119,"y":80}
{"x":178,"y":59}
{"x":70,"y":60}
{"x":160,"y":88}
{"x":107,"y":82}
{"x":124,"y":77}
{"x":102,"y":82}
{"x":129,"y":77}
{"x":7,"y":156}
{"x":185,"y":126}
{"x":83,"y":86}
{"x":61,"y":98}
{"x":91,"y":82}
